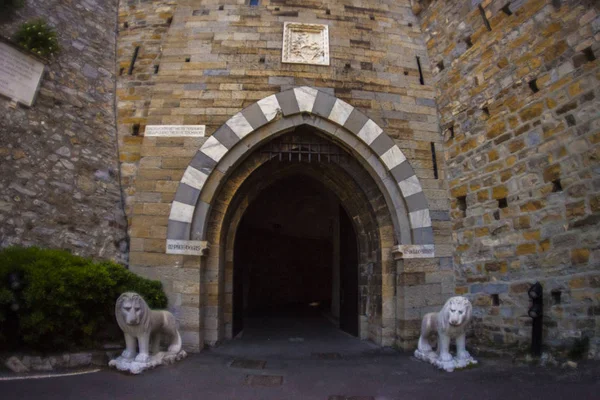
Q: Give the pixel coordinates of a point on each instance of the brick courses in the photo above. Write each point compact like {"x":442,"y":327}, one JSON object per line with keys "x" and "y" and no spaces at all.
{"x":519,"y":108}
{"x":217,"y":60}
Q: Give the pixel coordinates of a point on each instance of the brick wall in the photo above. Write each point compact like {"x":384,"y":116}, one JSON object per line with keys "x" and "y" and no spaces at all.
{"x":519,"y":106}
{"x":201,"y":62}
{"x":234,"y":60}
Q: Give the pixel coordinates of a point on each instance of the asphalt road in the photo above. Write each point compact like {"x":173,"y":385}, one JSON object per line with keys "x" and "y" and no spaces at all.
{"x":369,"y":376}
{"x":301,"y":360}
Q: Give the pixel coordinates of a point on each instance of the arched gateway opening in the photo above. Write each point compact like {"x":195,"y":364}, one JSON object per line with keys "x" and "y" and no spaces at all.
{"x":296,"y":258}
{"x":301,"y":182}
{"x":296,"y":250}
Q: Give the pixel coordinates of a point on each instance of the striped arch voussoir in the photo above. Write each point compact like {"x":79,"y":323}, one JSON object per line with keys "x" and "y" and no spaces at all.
{"x":186,"y":206}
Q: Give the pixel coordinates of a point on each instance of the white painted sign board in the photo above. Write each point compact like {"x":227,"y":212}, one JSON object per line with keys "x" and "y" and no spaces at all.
{"x":175,"y":130}
{"x":186,"y":247}
{"x":415,"y":250}
{"x":20,"y":75}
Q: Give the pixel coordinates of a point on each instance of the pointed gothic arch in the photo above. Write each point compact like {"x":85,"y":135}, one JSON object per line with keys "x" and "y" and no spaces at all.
{"x":281,"y":112}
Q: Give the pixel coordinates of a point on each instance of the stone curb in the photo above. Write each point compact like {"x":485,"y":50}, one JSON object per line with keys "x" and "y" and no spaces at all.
{"x":22,"y":363}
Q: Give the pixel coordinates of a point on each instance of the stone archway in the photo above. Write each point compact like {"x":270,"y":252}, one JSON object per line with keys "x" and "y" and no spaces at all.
{"x":283,"y":111}
{"x":197,"y":214}
{"x":351,"y":185}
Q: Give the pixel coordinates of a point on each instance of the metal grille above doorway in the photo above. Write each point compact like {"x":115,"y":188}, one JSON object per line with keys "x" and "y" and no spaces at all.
{"x":304,"y":147}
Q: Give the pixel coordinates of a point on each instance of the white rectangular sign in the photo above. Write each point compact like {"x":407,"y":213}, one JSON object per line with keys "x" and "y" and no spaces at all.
{"x":175,"y":130}
{"x":186,"y":247}
{"x":415,"y":250}
{"x":20,"y":75}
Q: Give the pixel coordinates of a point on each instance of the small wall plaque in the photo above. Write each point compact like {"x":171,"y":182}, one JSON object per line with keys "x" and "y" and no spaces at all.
{"x":187,"y":247}
{"x":415,"y":250}
{"x":20,"y":75}
{"x":175,"y":130}
{"x":305,"y":43}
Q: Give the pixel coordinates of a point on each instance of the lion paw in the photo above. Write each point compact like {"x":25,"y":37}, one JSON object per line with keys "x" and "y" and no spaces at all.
{"x":445,"y":357}
{"x":463,"y":355}
{"x":142,"y":358}
{"x":128,"y":354}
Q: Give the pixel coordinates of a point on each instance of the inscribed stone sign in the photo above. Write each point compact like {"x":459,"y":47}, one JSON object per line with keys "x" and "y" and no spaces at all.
{"x":305,"y":43}
{"x":175,"y":130}
{"x":186,"y":247}
{"x":19,"y":75}
{"x":415,"y":250}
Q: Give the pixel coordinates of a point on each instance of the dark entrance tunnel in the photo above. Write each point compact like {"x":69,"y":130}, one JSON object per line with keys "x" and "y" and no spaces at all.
{"x":296,"y":256}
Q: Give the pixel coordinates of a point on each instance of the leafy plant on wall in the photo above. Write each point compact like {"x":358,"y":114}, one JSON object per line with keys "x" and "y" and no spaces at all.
{"x":38,"y":37}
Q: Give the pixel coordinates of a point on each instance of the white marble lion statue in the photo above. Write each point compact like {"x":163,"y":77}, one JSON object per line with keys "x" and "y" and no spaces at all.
{"x":145,"y":329}
{"x":450,"y":323}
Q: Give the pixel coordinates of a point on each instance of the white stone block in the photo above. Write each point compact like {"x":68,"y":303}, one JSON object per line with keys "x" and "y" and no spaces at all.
{"x":239,"y":125}
{"x":393,"y":157}
{"x":306,"y":97}
{"x":340,"y":112}
{"x":270,"y":107}
{"x":214,"y":149}
{"x":410,"y":186}
{"x":370,"y":132}
{"x":194,"y":178}
{"x":181,"y":212}
{"x":420,"y":219}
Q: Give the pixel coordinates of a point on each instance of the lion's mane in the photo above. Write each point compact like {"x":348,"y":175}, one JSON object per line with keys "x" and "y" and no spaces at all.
{"x":144,"y":325}
{"x":443,"y":317}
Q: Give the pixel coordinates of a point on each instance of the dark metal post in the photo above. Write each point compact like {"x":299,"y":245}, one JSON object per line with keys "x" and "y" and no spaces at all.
{"x":536,"y":312}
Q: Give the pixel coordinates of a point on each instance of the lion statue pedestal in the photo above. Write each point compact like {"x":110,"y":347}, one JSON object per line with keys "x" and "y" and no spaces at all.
{"x":144,"y":328}
{"x":450,"y":323}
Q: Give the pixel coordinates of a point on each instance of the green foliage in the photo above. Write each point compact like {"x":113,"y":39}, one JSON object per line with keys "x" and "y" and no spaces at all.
{"x":37,"y":37}
{"x":64,"y":301}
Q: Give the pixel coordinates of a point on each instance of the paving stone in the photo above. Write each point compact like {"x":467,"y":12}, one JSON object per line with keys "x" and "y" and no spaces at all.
{"x":263,"y":380}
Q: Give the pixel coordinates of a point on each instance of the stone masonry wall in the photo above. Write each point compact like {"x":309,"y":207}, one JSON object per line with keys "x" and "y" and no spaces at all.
{"x":59,"y":179}
{"x":200,"y":62}
{"x":519,"y":104}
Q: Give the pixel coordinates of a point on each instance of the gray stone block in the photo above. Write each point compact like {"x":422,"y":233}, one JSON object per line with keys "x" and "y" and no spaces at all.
{"x":203,"y":163}
{"x":177,"y":230}
{"x":439,"y":215}
{"x":382,"y":144}
{"x":323,"y":104}
{"x":490,"y":288}
{"x":226,"y":136}
{"x":216,"y":72}
{"x":417,"y":201}
{"x":423,"y":235}
{"x":288,"y":103}
{"x":426,"y":102}
{"x":281,"y":80}
{"x":200,"y":216}
{"x":254,"y":116}
{"x":187,"y":194}
{"x":90,"y":72}
{"x":402,"y":171}
{"x":194,"y":86}
{"x":356,"y":121}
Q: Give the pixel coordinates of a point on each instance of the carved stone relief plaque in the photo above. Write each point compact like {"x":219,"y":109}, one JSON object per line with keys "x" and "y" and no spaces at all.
{"x":305,"y":43}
